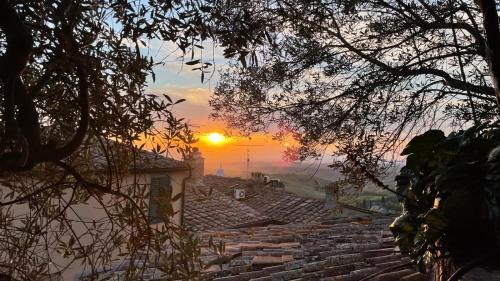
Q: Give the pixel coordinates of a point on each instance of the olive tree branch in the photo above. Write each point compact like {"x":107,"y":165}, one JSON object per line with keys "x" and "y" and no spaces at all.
{"x":28,"y":196}
{"x":376,"y":180}
{"x":105,"y":189}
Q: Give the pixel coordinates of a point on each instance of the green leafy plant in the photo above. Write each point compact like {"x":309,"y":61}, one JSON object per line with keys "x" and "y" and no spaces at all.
{"x":449,"y":189}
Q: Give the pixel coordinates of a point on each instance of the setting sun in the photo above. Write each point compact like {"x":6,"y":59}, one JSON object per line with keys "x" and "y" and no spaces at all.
{"x":216,"y":138}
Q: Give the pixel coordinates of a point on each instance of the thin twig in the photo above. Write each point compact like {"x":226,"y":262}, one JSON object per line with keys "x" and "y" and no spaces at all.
{"x":462,"y":71}
{"x":374,"y":178}
{"x":106,"y":189}
{"x":23,"y":198}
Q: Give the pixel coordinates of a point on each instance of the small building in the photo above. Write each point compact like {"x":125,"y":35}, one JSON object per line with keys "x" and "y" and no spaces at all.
{"x":276,"y":184}
{"x":262,"y":179}
{"x":163,"y":179}
{"x":258,"y":177}
{"x":161,"y":175}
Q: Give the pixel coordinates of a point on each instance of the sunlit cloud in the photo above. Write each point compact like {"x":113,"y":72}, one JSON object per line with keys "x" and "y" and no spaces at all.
{"x":226,"y":148}
{"x":193,"y":95}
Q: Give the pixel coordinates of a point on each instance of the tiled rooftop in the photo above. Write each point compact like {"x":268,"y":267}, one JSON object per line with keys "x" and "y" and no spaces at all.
{"x":335,"y":249}
{"x":223,"y":184}
{"x":210,"y":209}
{"x":212,"y":206}
{"x":146,"y":161}
{"x":288,"y":207}
{"x":276,"y":235}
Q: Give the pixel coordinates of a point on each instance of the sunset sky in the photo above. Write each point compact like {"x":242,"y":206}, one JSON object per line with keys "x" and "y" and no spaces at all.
{"x":180,"y":81}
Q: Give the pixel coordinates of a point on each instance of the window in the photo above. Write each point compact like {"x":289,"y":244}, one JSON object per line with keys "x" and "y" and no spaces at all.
{"x":160,"y":192}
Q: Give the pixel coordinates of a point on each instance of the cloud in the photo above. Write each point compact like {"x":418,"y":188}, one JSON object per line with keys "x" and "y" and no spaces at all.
{"x":195,"y":109}
{"x":193,"y":95}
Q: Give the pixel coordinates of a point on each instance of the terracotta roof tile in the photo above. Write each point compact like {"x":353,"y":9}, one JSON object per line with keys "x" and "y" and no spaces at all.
{"x":309,"y":244}
{"x":280,"y":206}
{"x":145,"y":161}
{"x":338,"y":249}
{"x":210,"y":210}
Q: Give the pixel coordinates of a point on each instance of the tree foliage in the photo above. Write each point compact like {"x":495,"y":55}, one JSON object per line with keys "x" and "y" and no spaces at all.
{"x":73,"y":77}
{"x":450,"y":193}
{"x":361,"y":76}
{"x":73,"y":66}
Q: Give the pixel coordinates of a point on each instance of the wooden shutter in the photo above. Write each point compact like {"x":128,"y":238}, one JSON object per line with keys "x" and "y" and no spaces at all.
{"x":160,"y":189}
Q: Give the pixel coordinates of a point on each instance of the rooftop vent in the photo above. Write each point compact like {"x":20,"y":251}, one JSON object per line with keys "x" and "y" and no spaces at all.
{"x":239,"y":194}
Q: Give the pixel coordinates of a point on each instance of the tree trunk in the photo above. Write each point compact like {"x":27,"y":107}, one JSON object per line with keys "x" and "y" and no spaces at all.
{"x":490,"y":23}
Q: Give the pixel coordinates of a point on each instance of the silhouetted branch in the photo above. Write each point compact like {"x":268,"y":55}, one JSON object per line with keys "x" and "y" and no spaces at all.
{"x":26,"y":129}
{"x":374,"y":178}
{"x":104,"y":189}
{"x":29,"y":196}
{"x":69,"y":44}
{"x":12,"y":64}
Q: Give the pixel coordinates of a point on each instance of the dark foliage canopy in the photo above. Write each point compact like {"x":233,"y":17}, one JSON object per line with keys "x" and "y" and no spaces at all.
{"x":363,"y":76}
{"x":73,"y":76}
{"x":449,"y":188}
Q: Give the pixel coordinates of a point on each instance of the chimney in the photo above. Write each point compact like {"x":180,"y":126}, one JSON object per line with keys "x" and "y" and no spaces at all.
{"x":266,"y":179}
{"x":258,"y":177}
{"x":197,"y":164}
{"x":331,"y":196}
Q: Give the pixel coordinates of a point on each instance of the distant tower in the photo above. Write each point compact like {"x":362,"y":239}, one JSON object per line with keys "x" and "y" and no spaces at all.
{"x":220,"y":171}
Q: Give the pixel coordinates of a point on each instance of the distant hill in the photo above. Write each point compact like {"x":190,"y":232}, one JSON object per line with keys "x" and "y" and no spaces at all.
{"x":301,"y":184}
{"x":238,"y":169}
{"x":301,"y":178}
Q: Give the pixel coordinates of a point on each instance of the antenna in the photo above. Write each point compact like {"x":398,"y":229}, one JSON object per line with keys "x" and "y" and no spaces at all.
{"x":248,"y":154}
